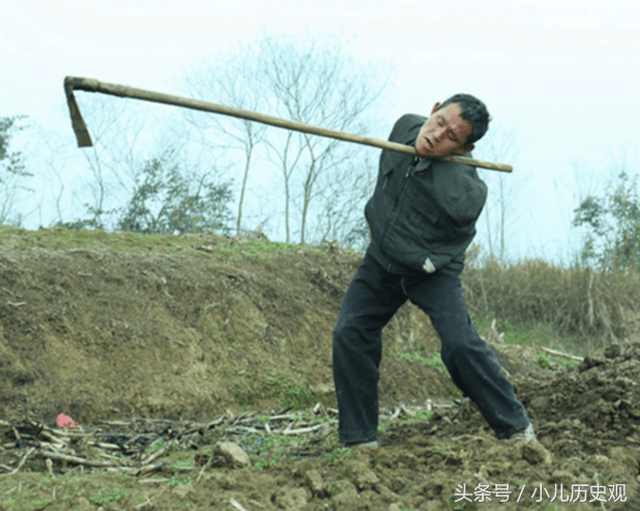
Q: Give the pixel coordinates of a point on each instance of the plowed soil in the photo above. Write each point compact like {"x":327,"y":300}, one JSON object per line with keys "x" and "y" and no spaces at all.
{"x":110,"y":327}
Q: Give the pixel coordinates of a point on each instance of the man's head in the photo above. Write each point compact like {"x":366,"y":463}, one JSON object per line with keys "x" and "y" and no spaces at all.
{"x":453,"y":127}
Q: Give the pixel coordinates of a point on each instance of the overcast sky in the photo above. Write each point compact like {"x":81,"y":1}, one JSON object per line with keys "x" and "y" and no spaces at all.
{"x":564,"y":73}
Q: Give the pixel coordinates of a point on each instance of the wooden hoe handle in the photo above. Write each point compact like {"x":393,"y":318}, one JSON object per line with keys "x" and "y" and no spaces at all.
{"x":72,"y":83}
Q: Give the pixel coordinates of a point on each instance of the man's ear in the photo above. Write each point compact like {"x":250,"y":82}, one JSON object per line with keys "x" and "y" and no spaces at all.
{"x":435,"y":107}
{"x":465,"y":149}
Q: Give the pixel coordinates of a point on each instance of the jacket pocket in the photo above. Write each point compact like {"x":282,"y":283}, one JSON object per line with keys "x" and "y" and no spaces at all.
{"x":421,"y":211}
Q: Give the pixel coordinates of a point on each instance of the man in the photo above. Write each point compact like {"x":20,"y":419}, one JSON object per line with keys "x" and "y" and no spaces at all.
{"x":422,"y":218}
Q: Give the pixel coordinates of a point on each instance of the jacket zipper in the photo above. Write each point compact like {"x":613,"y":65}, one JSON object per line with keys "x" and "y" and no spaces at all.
{"x":395,"y":206}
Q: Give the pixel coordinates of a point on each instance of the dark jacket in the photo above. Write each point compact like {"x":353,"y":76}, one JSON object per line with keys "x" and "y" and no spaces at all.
{"x":422,"y":208}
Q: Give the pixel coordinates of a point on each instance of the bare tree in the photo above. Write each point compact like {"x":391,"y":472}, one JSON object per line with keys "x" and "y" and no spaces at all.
{"x":342,"y":205}
{"x":318,"y":83}
{"x":287,"y":157}
{"x":13,"y":173}
{"x":56,"y":158}
{"x":232,"y":81}
{"x":503,"y":207}
{"x":312,"y":81}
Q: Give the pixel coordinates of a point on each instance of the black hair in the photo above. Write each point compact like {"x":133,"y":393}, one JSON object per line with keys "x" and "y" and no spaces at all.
{"x":474,"y":111}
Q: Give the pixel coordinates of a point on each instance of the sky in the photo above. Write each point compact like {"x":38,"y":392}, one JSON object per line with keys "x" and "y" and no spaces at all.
{"x":562,"y":75}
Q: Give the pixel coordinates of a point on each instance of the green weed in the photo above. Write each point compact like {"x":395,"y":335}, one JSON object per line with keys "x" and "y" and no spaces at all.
{"x":433,"y":360}
{"x":568,"y":362}
{"x":295,"y":396}
{"x":109,"y":496}
{"x":604,"y":481}
{"x":321,"y":420}
{"x":548,"y":506}
{"x":332,"y":440}
{"x":543,"y":360}
{"x":447,"y":447}
{"x":176,"y":479}
{"x":463,"y":505}
{"x":261,"y":465}
{"x":156,"y":446}
{"x":420,"y":415}
{"x":208,"y":439}
{"x":331,"y":458}
{"x":272,"y":450}
{"x":273,"y":385}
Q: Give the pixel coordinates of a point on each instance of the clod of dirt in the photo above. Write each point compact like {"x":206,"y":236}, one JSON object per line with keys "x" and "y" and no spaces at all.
{"x":535,"y":453}
{"x":84,"y":505}
{"x":229,"y":455}
{"x":363,"y":477}
{"x":290,"y":498}
{"x":313,"y":479}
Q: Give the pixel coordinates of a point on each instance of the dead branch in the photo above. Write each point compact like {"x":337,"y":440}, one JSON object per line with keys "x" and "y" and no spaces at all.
{"x":24,"y":458}
{"x":77,"y":460}
{"x":560,"y":354}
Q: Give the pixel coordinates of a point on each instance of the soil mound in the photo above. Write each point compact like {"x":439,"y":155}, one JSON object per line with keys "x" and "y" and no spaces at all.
{"x":109,"y":325}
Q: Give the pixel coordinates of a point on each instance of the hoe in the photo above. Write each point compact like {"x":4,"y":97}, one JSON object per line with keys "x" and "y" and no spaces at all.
{"x":72,"y":83}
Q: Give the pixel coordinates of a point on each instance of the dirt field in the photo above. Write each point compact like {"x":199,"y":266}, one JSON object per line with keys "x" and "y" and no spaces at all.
{"x":230,"y":339}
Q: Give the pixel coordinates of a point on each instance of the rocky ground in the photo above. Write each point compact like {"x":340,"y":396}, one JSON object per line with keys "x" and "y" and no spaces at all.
{"x":199,"y":370}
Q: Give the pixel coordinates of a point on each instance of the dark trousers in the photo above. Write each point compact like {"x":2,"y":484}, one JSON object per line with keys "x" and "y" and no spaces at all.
{"x":372,"y":299}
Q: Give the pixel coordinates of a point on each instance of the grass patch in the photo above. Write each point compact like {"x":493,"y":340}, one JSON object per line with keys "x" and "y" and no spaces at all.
{"x":272,"y":450}
{"x":274,"y":385}
{"x":331,"y":458}
{"x":420,"y":415}
{"x":432,"y":360}
{"x":206,"y":245}
{"x":536,"y":334}
{"x":463,"y":505}
{"x":108,"y":496}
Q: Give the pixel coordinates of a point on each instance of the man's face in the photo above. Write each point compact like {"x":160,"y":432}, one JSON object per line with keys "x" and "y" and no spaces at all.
{"x":444,"y":133}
